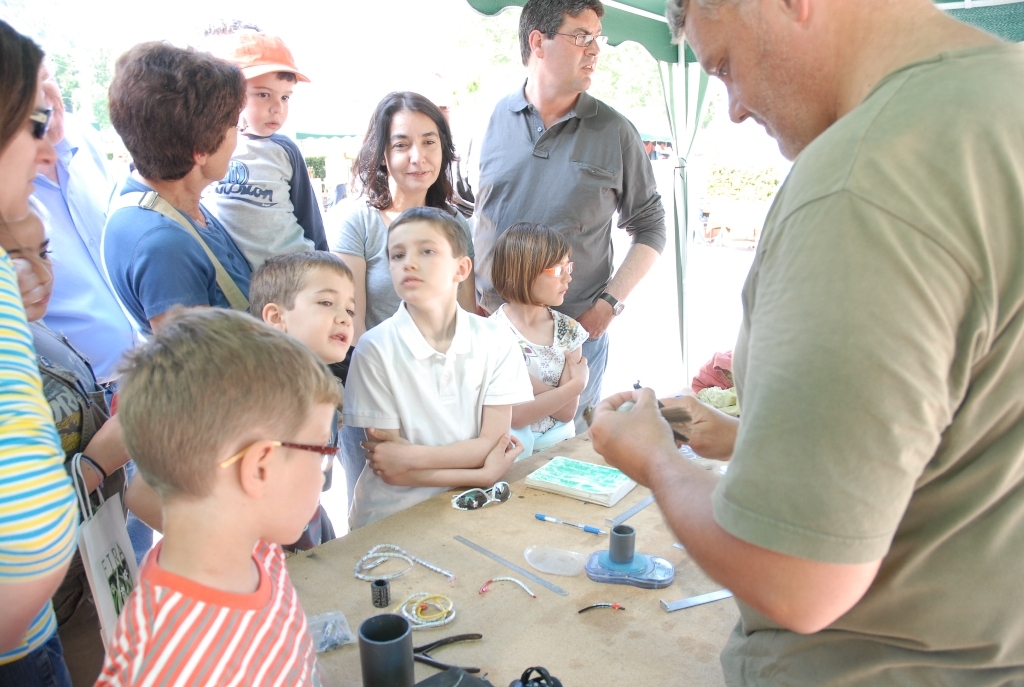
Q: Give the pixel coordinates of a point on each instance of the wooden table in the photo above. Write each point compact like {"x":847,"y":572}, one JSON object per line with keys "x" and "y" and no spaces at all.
{"x":641,"y":645}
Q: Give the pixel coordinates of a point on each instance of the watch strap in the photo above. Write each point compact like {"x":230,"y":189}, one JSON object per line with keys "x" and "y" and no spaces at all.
{"x":612,"y":301}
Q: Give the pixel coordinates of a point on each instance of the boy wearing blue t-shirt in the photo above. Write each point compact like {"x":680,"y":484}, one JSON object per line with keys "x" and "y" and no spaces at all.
{"x":266,"y":200}
{"x":433,"y":385}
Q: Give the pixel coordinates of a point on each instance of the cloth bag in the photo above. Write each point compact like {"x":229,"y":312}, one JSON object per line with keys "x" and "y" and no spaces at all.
{"x":107,"y":554}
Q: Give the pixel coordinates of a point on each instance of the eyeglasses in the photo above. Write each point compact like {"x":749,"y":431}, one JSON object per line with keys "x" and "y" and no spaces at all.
{"x":327,"y":453}
{"x":40,"y":122}
{"x":473,"y":499}
{"x":558,"y":270}
{"x":584,"y":40}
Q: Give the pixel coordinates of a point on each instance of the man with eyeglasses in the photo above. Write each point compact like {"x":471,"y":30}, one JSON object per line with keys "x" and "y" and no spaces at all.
{"x":554,"y":154}
{"x":72,"y":195}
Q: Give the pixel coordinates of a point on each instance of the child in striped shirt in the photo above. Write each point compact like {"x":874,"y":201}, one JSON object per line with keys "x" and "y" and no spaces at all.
{"x":229,"y":421}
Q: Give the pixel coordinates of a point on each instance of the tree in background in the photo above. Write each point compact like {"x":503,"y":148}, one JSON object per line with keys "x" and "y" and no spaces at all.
{"x":102,"y":72}
{"x":67,"y":79}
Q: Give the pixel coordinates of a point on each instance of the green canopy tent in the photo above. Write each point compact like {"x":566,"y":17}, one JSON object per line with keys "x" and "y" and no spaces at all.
{"x":684,"y":85}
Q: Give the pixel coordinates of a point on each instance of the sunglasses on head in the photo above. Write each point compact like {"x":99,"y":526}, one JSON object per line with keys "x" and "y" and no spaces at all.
{"x":40,"y":122}
{"x":473,"y":499}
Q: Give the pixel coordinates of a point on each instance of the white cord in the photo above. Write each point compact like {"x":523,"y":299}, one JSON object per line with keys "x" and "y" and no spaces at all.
{"x":486,"y":585}
{"x":382,"y":552}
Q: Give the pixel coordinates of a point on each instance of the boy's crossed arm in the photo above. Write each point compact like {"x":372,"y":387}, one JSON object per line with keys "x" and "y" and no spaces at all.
{"x":472,"y":462}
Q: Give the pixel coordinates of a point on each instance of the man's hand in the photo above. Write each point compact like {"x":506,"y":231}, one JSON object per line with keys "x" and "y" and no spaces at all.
{"x":635,"y":439}
{"x":501,"y":457}
{"x":597,"y":318}
{"x":389,"y":455}
{"x":712,"y":432}
{"x":33,"y":290}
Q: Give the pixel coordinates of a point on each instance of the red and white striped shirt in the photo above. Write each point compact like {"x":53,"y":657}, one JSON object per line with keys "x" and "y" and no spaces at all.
{"x":174,"y":631}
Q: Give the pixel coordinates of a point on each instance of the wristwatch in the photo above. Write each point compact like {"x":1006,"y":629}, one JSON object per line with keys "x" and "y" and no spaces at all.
{"x":617,"y":307}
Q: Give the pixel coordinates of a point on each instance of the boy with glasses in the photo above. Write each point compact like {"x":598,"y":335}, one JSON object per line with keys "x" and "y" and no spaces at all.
{"x":433,"y":384}
{"x":237,"y":459}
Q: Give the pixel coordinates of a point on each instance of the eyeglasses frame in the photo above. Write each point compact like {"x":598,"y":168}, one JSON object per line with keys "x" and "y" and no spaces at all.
{"x":326,"y":452}
{"x":555,"y":270}
{"x":576,"y":37}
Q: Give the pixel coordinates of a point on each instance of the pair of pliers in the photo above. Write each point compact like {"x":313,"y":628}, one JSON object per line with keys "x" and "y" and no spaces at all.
{"x":422,"y":653}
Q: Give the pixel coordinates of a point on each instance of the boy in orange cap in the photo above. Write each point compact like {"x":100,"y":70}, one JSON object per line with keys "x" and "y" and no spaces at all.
{"x":266,"y":201}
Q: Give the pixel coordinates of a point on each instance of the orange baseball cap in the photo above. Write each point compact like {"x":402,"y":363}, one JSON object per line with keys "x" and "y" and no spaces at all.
{"x":258,"y":53}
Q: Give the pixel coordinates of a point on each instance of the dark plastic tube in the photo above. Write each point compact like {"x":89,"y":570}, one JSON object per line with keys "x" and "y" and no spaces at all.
{"x":385,"y":651}
{"x":622,"y":544}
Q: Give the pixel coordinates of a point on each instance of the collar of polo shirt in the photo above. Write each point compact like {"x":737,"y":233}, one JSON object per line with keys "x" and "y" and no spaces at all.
{"x":585,"y":107}
{"x":413,"y":338}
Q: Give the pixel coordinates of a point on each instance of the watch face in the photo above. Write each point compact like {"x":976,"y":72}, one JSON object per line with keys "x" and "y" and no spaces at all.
{"x":618,"y":308}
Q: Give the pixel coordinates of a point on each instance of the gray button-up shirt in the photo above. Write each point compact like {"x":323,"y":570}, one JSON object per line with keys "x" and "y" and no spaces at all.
{"x":572,"y":177}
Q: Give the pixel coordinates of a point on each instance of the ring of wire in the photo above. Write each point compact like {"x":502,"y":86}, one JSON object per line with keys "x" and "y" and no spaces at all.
{"x":381,"y":552}
{"x":419,"y":602}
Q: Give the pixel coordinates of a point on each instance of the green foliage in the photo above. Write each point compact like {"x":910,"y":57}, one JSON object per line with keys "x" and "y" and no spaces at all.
{"x":712,"y":103}
{"x":317,"y":163}
{"x":744,"y":184}
{"x":66,"y":75}
{"x":102,"y":74}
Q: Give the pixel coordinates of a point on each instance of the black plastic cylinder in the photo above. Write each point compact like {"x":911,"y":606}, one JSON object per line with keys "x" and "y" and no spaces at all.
{"x":385,"y":651}
{"x":622,"y":544}
{"x":380,"y":593}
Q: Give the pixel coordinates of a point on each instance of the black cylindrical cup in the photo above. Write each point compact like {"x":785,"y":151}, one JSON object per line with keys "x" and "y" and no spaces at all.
{"x":385,"y":651}
{"x":380,"y":593}
{"x":621,"y":544}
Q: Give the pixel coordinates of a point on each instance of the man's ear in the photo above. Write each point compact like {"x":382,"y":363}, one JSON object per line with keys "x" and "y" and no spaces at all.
{"x":273,"y":314}
{"x":537,"y":43}
{"x":796,"y":10}
{"x":465,"y":269}
{"x":255,"y":474}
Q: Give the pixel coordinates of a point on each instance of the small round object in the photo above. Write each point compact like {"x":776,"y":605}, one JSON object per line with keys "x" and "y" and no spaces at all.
{"x":380,"y":591}
{"x":626,"y":406}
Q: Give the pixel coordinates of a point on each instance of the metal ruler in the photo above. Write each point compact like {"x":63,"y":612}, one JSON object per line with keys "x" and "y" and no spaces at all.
{"x":512,"y":566}
{"x":695,"y":600}
{"x":615,"y":522}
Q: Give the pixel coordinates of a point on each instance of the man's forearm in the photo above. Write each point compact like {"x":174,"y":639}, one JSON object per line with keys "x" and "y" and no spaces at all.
{"x":634,"y":268}
{"x":799,"y":594}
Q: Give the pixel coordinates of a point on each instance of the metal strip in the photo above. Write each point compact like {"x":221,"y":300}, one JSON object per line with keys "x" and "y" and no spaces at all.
{"x":695,"y":600}
{"x":972,"y":4}
{"x":636,"y":10}
{"x":623,"y":517}
{"x":512,"y":566}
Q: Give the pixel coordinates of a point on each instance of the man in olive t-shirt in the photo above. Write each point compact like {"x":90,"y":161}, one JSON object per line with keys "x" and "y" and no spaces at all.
{"x":871,"y":523}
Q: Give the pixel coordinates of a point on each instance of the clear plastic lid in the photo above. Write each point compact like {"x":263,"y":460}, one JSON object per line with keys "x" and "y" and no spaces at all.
{"x":555,"y":561}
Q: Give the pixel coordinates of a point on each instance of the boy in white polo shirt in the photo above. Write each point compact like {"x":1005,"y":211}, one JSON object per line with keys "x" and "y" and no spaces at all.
{"x":434,"y":385}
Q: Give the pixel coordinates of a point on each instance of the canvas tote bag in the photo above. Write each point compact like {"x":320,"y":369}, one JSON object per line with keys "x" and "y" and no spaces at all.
{"x":106,"y":551}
